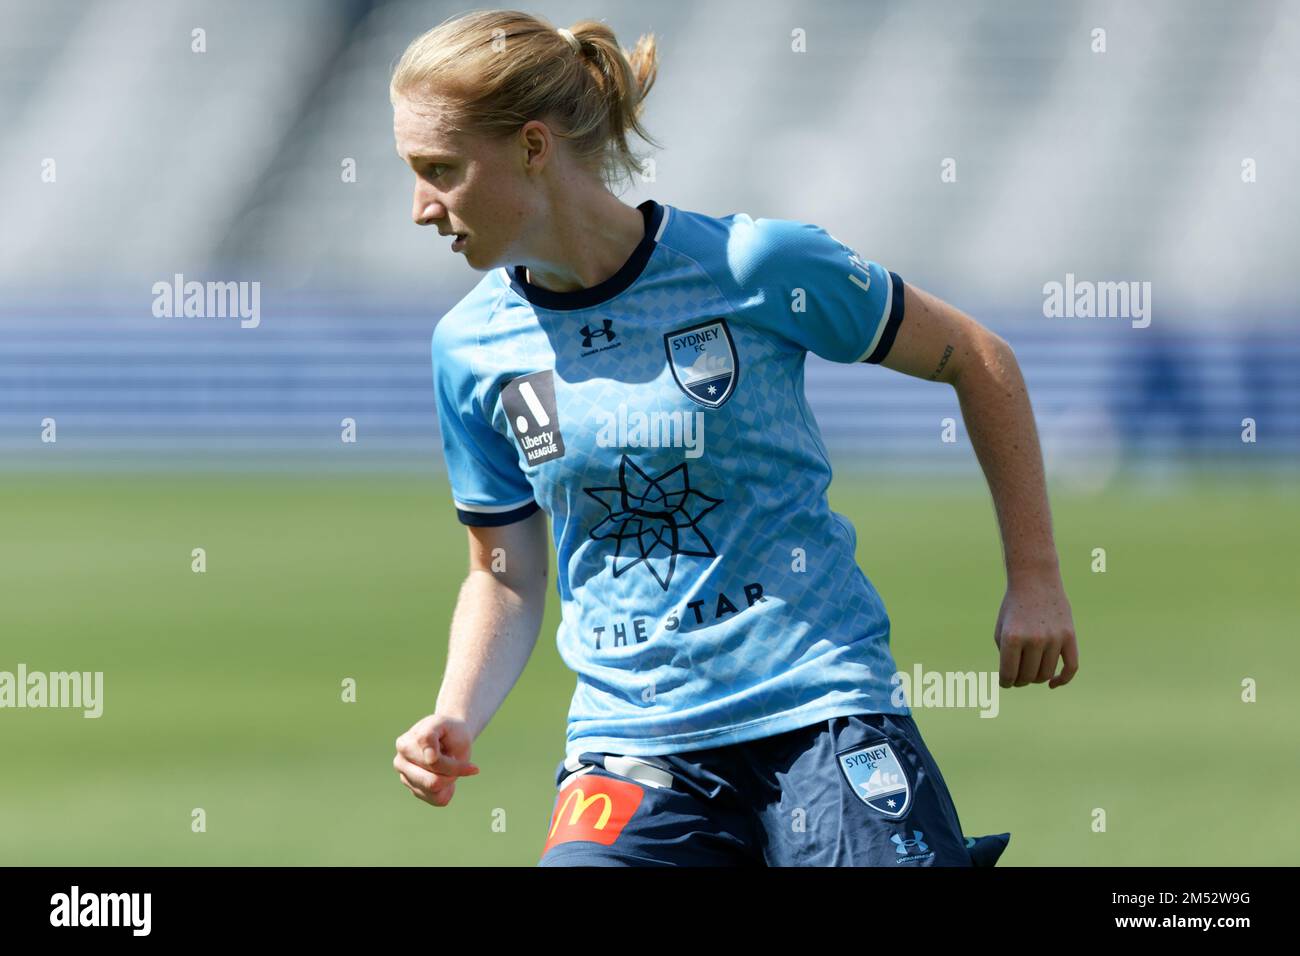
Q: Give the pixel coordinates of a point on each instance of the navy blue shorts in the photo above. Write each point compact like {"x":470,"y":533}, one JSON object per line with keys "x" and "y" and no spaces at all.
{"x":849,"y":791}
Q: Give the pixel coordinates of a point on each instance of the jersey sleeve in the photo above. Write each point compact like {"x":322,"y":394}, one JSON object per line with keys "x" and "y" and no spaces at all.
{"x":830,"y":300}
{"x":488,"y":487}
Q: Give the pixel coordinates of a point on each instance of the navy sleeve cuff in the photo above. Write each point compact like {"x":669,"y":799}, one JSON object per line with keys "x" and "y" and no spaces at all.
{"x":892,"y":323}
{"x":495,"y":519}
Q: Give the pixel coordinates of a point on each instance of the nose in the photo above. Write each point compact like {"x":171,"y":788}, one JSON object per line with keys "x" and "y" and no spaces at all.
{"x":428,"y":209}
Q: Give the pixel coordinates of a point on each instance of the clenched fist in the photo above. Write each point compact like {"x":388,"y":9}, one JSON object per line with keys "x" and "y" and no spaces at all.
{"x":431,"y":755}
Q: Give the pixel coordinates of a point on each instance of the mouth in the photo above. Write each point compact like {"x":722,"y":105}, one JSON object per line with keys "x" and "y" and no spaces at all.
{"x":459,"y":242}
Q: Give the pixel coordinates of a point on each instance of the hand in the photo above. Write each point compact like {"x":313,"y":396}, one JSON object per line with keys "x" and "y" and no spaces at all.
{"x":431,"y":755}
{"x":1035,"y":628}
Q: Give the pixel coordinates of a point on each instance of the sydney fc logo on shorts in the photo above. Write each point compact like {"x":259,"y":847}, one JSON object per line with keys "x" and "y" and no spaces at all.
{"x":703,"y":360}
{"x":876,"y":776}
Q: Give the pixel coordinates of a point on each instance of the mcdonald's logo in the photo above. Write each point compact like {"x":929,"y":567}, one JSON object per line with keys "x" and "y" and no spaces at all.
{"x":593,"y":808}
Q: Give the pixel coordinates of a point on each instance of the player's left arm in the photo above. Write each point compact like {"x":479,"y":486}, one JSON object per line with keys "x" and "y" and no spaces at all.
{"x":941,"y":343}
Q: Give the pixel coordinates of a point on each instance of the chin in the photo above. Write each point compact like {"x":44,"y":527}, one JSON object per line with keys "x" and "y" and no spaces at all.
{"x":474,"y":261}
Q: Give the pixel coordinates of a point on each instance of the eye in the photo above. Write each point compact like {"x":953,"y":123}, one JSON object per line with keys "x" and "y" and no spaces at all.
{"x":433,"y":169}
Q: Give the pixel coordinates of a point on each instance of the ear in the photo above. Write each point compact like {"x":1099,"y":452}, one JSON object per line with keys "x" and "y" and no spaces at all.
{"x":538,"y":144}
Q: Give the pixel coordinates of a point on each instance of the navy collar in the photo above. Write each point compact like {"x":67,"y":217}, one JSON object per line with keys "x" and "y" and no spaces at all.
{"x":653,"y":214}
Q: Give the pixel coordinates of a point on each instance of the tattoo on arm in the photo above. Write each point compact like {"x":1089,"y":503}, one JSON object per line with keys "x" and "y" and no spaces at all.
{"x":942,"y":362}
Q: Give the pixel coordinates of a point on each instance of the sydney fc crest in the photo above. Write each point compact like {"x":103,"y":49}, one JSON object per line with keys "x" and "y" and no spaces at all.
{"x":876,"y":776}
{"x":703,"y":360}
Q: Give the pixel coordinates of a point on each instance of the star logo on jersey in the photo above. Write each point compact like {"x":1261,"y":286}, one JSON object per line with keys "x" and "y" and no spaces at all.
{"x":652,"y":520}
{"x":703,"y":360}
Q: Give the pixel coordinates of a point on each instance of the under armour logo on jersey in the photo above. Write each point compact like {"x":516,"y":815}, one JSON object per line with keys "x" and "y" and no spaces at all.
{"x":588,"y":334}
{"x":905,"y":847}
{"x":653,"y":520}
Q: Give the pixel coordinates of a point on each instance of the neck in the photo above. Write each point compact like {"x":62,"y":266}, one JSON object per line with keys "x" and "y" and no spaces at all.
{"x":585,"y":242}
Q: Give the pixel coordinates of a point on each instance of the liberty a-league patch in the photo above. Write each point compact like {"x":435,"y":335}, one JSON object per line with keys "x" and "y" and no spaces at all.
{"x":529,"y":401}
{"x":703,"y":360}
{"x":875,"y":774}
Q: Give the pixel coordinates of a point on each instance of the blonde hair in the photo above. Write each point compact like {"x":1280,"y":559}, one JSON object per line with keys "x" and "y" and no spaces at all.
{"x":492,"y":71}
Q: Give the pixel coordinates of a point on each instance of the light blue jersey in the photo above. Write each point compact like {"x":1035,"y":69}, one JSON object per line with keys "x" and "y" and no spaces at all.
{"x":709,"y":595}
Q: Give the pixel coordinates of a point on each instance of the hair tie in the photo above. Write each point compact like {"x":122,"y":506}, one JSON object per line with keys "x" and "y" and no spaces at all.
{"x":573,"y":41}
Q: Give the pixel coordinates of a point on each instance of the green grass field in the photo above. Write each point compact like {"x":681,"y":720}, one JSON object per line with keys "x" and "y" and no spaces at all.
{"x":222,"y":690}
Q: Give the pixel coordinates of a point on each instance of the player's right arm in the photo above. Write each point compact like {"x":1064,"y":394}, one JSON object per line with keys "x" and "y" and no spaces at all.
{"x":493,"y":631}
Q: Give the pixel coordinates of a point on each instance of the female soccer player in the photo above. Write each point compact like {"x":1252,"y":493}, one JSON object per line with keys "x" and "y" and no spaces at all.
{"x":636,"y":374}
